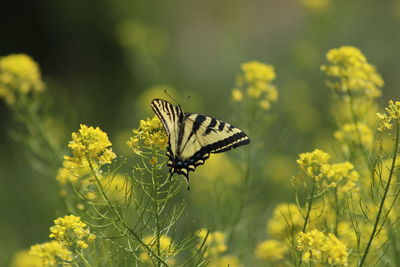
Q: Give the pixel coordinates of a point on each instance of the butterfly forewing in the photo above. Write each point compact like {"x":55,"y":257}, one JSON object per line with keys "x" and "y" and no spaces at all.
{"x":171,"y":118}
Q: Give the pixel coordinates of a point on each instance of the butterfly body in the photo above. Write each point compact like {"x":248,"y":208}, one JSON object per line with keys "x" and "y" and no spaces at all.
{"x":192,"y":137}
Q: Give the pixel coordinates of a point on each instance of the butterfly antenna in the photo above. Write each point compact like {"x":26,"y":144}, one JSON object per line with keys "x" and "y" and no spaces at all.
{"x":170,"y":96}
{"x":186,"y":99}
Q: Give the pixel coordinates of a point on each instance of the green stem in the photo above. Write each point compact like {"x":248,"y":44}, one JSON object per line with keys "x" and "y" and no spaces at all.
{"x":156,"y":207}
{"x":337,"y":211}
{"x":378,"y":216}
{"x":119,"y":217}
{"x":309,"y":206}
{"x":308,"y":214}
{"x":84,"y":260}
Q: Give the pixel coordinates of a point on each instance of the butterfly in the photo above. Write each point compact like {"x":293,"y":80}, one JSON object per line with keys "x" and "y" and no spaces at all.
{"x":192,"y":137}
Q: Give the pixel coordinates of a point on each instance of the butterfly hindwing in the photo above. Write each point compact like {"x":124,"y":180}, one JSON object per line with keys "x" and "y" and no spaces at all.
{"x":192,"y":137}
{"x":207,"y":135}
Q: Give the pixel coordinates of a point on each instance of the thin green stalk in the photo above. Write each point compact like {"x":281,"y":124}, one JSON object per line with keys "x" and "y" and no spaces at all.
{"x":378,"y":216}
{"x":84,"y":260}
{"x":119,"y":217}
{"x":308,"y":213}
{"x":337,"y":211}
{"x":309,"y":206}
{"x":156,"y":207}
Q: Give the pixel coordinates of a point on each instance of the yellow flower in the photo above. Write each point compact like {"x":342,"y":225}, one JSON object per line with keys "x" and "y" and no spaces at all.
{"x":167,"y":248}
{"x":237,"y":95}
{"x":24,"y":259}
{"x":69,"y":230}
{"x":320,"y":248}
{"x":311,"y":163}
{"x":353,"y":73}
{"x":51,"y":253}
{"x":352,"y":134}
{"x":117,"y":187}
{"x":19,"y":75}
{"x":317,"y":5}
{"x":343,"y":176}
{"x":255,"y":71}
{"x":256,"y":82}
{"x":151,"y":133}
{"x":390,"y":117}
{"x":145,"y":39}
{"x":224,"y":261}
{"x":286,"y":220}
{"x":271,"y":250}
{"x":215,"y":242}
{"x":90,"y":144}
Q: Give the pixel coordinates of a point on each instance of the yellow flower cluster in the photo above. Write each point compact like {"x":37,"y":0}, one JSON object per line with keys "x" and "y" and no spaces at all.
{"x":70,"y":230}
{"x":19,"y":75}
{"x":90,"y":144}
{"x":390,"y":117}
{"x":351,"y":133}
{"x":355,"y":75}
{"x":316,"y":5}
{"x":167,"y":248}
{"x":150,"y":133}
{"x":271,"y":250}
{"x":319,"y":248}
{"x":338,"y":175}
{"x":343,"y":176}
{"x":215,"y":242}
{"x":24,"y":259}
{"x":71,"y":172}
{"x":256,"y":81}
{"x":52,"y":253}
{"x":311,"y":163}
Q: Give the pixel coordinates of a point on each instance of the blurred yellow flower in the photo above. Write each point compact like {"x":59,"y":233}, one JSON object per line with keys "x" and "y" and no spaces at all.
{"x":255,"y":71}
{"x":90,"y":144}
{"x":224,"y":261}
{"x":271,"y":250}
{"x":317,"y":5}
{"x":390,"y":117}
{"x":167,"y":248}
{"x":215,"y":242}
{"x":355,"y":75}
{"x":19,"y":75}
{"x":117,"y":187}
{"x":25,"y":259}
{"x":319,"y":248}
{"x":51,"y":253}
{"x":142,"y":37}
{"x":70,"y":230}
{"x":256,"y":82}
{"x":355,"y":134}
{"x":237,"y":95}
{"x":71,"y":171}
{"x":151,"y":133}
{"x":286,"y":220}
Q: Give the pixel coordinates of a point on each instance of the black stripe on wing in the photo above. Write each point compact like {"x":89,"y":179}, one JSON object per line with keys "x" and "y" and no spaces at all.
{"x":236,"y":140}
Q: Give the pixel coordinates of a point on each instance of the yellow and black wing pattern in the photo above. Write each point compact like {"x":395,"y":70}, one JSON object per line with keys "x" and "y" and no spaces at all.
{"x":192,"y":137}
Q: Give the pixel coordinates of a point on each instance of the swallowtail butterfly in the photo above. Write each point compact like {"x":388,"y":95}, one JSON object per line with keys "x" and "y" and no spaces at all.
{"x":192,"y":137}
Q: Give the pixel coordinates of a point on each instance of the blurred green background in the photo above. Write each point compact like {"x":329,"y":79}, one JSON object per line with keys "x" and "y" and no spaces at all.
{"x":102,"y":60}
